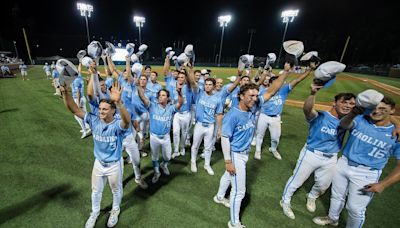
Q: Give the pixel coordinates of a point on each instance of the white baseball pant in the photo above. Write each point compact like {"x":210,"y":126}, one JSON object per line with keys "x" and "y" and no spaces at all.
{"x":274,"y":126}
{"x":132,"y":149}
{"x":101,"y":173}
{"x":180,"y":123}
{"x":157,"y":143}
{"x":307,"y":163}
{"x":238,"y":183}
{"x":48,"y":74}
{"x":348,"y":181}
{"x":80,"y":121}
{"x":144,"y":123}
{"x":24,"y":73}
{"x":201,"y":131}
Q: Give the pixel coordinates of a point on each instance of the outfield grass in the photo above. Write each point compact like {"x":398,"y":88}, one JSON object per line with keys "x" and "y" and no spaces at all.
{"x":46,"y":169}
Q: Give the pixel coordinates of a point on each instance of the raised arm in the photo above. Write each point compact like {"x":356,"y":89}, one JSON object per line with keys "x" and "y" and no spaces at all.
{"x":142,"y":97}
{"x":190,"y":78}
{"x":167,"y":65}
{"x":115,"y":72}
{"x":180,"y":98}
{"x":308,"y":107}
{"x":237,"y":81}
{"x":80,"y":67}
{"x":300,"y":78}
{"x":396,"y":122}
{"x":277,"y":84}
{"x":90,"y":90}
{"x":115,"y":96}
{"x":128,"y":66}
{"x":347,"y":121}
{"x":70,"y":103}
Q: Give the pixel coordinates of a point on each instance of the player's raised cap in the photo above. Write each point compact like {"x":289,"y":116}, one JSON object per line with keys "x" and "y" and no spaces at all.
{"x":204,"y":71}
{"x":182,"y":58}
{"x":171,"y":54}
{"x":134,"y":58}
{"x":94,"y":49}
{"x":174,"y":57}
{"x":67,"y":70}
{"x":232,"y":78}
{"x":271,"y":58}
{"x":142,"y":48}
{"x":328,"y":70}
{"x":130,"y":48}
{"x":309,"y":56}
{"x":294,"y":47}
{"x":110,"y":48}
{"x":86,"y":61}
{"x":369,"y":99}
{"x":245,"y":61}
{"x":137,"y":69}
{"x":81,"y":54}
{"x":189,"y":50}
{"x":168,"y":49}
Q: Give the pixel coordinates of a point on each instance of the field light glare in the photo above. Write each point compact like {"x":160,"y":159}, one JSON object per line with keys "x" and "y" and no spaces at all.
{"x":224,"y":20}
{"x":289,"y":15}
{"x":139,"y":21}
{"x":85,"y":9}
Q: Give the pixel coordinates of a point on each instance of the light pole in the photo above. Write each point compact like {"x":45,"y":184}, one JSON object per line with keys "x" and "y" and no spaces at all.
{"x":251,"y":31}
{"x":139,"y":21}
{"x":86,"y":11}
{"x":287,"y":16}
{"x":223,"y":22}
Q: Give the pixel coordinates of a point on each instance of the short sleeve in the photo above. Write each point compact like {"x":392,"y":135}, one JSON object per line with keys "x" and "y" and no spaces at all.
{"x":89,"y":118}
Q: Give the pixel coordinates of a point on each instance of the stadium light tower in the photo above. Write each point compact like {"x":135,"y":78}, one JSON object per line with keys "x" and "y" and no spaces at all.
{"x":86,"y":11}
{"x":287,"y":16}
{"x":139,"y":21}
{"x":223,"y":22}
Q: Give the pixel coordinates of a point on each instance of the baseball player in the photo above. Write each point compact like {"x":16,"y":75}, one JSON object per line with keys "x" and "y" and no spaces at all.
{"x":209,"y":111}
{"x":24,"y":73}
{"x":56,"y":82}
{"x":77,"y":88}
{"x":161,"y":114}
{"x":153,"y":85}
{"x":238,"y":127}
{"x":196,"y":74}
{"x":319,"y":154}
{"x":182,"y":118}
{"x":270,"y":117}
{"x":107,"y":136}
{"x":367,"y":150}
{"x":47,"y":70}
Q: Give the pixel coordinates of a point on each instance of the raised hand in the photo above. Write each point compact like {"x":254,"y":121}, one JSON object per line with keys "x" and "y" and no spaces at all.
{"x":315,"y":88}
{"x":116,"y":91}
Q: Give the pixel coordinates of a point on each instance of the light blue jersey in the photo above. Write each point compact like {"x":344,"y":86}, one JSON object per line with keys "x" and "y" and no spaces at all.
{"x":55,"y":74}
{"x":170,"y":82}
{"x":129,"y":88}
{"x":371,"y":145}
{"x":207,"y":107}
{"x":138,"y":104}
{"x":223,"y":94}
{"x":107,"y":138}
{"x":78,"y":85}
{"x":153,"y":88}
{"x":187,"y":96}
{"x":239,"y":127}
{"x":274,"y":106}
{"x":23,"y":67}
{"x":108,"y":82}
{"x":234,"y":97}
{"x":94,"y":104}
{"x":325,"y":134}
{"x":161,"y":118}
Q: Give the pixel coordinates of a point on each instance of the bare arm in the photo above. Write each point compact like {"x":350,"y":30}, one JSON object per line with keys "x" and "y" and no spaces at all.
{"x":219,"y":123}
{"x":396,"y":132}
{"x":128,"y":66}
{"x":142,"y":97}
{"x":308,"y":107}
{"x":115,"y":96}
{"x":70,"y":103}
{"x":190,"y":78}
{"x":347,"y":121}
{"x":237,"y":81}
{"x":300,"y":78}
{"x":167,"y":65}
{"x":80,"y":68}
{"x":180,"y":98}
{"x":115,"y":72}
{"x":277,"y":84}
{"x":393,"y":178}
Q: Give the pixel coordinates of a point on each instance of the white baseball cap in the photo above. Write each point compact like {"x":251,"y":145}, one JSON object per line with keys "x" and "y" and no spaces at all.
{"x":328,"y":70}
{"x":137,"y":69}
{"x":232,"y":78}
{"x":142,"y":48}
{"x":182,"y":58}
{"x":309,"y":55}
{"x":86,"y":61}
{"x":67,"y":70}
{"x":294,"y":47}
{"x":245,"y":61}
{"x":81,"y":54}
{"x":369,"y":99}
{"x":134,"y":58}
{"x":204,"y":71}
{"x":168,"y":49}
{"x":110,"y":48}
{"x":271,"y":58}
{"x":188,"y":50}
{"x":94,"y":49}
{"x":130,"y":48}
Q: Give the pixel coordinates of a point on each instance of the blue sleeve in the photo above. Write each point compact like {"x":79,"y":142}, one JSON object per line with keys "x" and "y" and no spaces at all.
{"x":220,"y":108}
{"x":357,"y":120}
{"x":90,"y":118}
{"x":228,"y":125}
{"x":397,"y":151}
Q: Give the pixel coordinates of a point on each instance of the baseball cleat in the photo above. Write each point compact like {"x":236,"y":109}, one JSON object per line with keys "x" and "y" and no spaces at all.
{"x":92,"y":220}
{"x":113,"y":219}
{"x":142,"y":184}
{"x":144,"y":154}
{"x":187,"y":143}
{"x":85,"y":134}
{"x":325,"y":220}
{"x":175,"y":154}
{"x":238,"y":225}
{"x":287,"y":210}
{"x":275,"y":153}
{"x":209,"y":170}
{"x":311,"y":204}
{"x":257,"y":155}
{"x":223,"y":201}
{"x":193,"y":167}
{"x":182,"y":151}
{"x":156,"y":177}
{"x":202,"y":155}
{"x":253,"y":142}
{"x":164,"y":168}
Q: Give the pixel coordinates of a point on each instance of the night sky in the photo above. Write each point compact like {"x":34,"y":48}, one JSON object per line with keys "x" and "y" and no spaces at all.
{"x":322,"y":25}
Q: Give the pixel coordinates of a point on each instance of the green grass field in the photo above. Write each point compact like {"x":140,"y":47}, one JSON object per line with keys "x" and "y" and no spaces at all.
{"x":46,"y":170}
